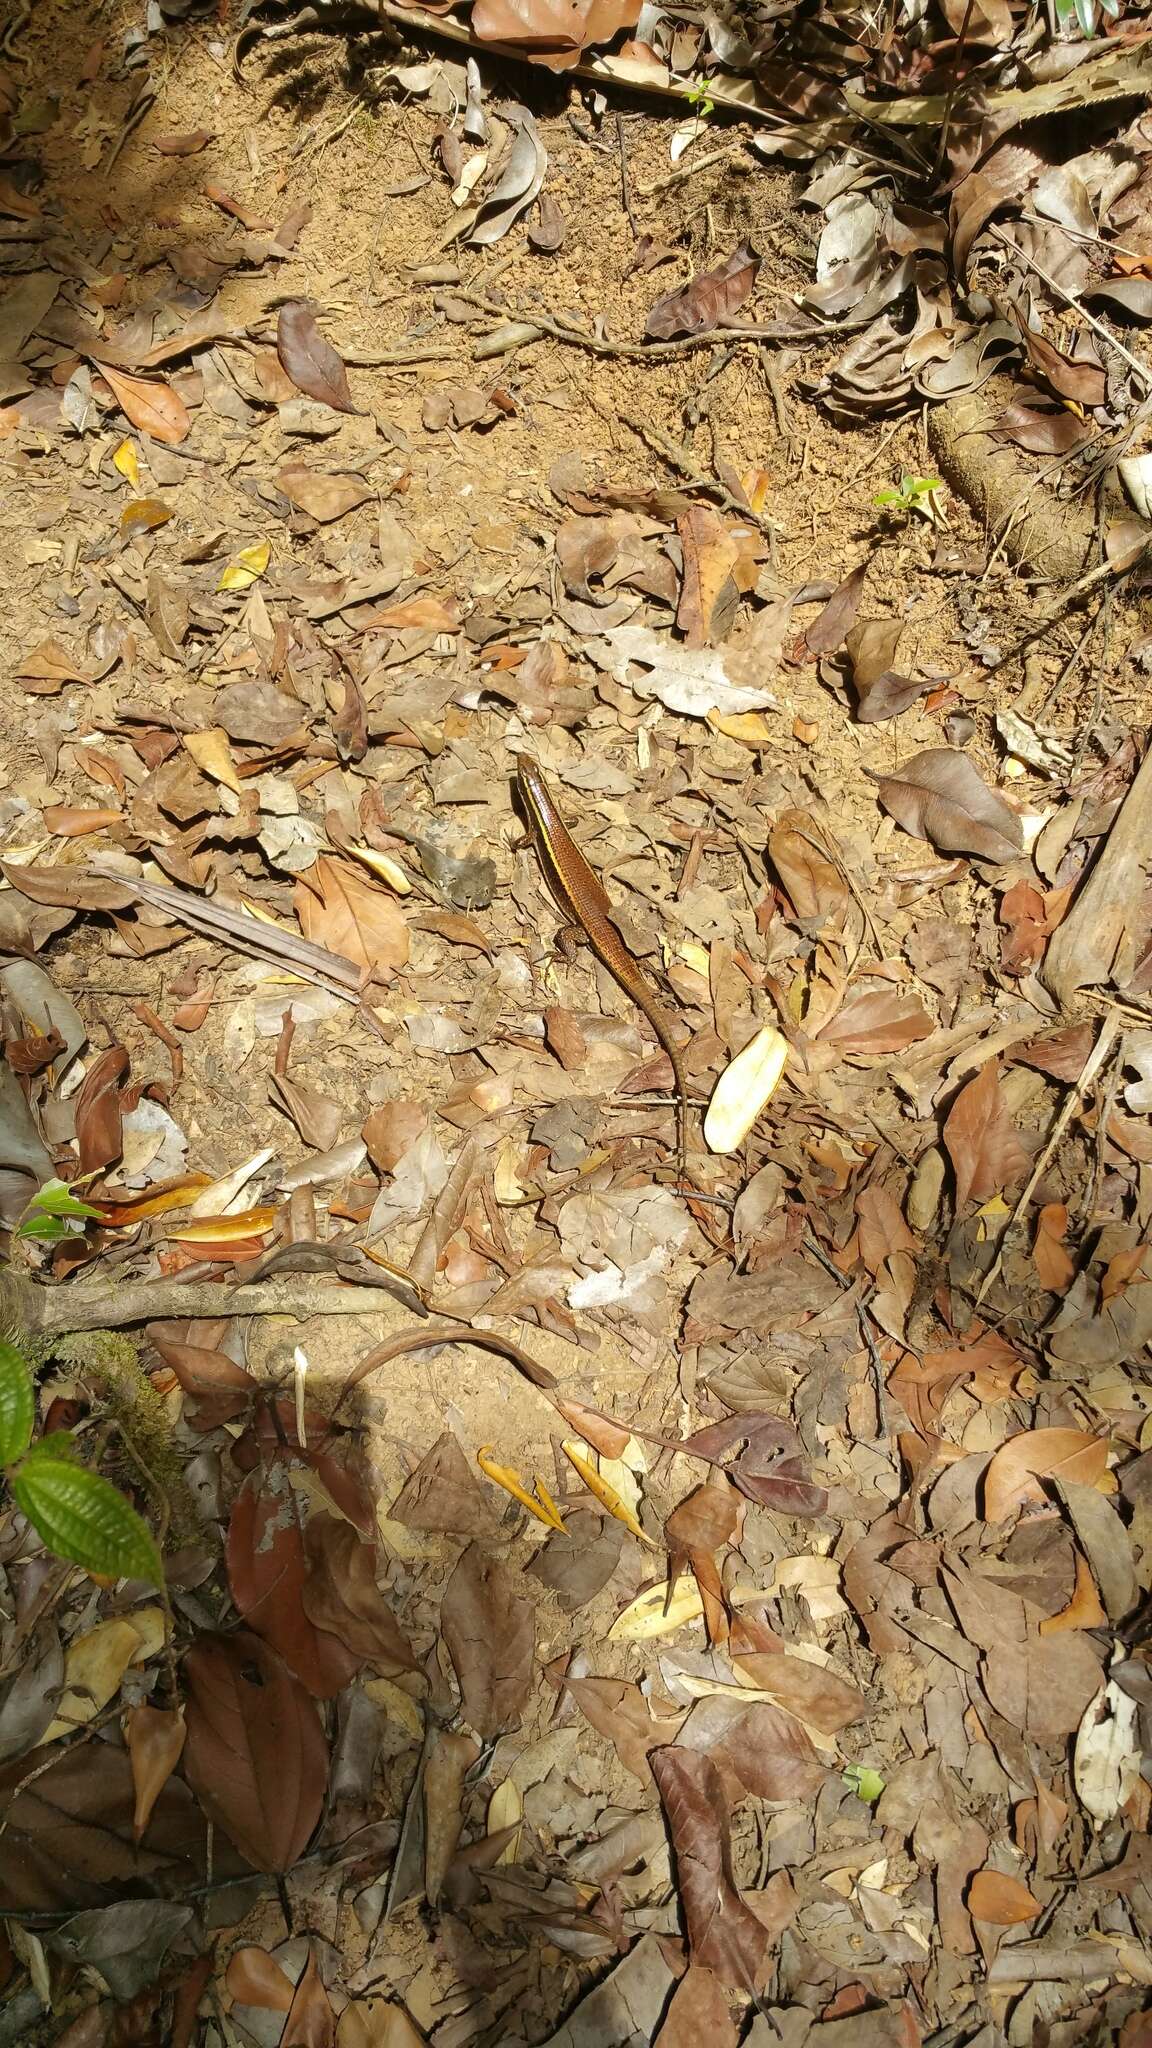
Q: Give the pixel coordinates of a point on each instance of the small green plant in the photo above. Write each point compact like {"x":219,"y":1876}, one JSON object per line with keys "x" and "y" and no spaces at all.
{"x":700,"y":100}
{"x":866,"y":1783}
{"x":54,"y":1213}
{"x":914,"y":494}
{"x":76,"y":1513}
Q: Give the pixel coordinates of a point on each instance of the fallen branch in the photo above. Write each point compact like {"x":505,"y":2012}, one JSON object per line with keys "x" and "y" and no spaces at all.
{"x":27,"y":1308}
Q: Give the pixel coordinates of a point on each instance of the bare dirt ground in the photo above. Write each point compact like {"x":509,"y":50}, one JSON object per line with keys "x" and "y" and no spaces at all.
{"x":421,"y":639}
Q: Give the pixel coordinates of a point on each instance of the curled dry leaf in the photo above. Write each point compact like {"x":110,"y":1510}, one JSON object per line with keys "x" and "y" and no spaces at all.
{"x":939,"y":796}
{"x":311,"y":2022}
{"x":698,"y":2012}
{"x":880,"y":691}
{"x":832,"y":625}
{"x":155,"y":1738}
{"x":309,"y":359}
{"x":709,"y":298}
{"x":1014,"y":1475}
{"x":256,"y":1756}
{"x":521,"y":180}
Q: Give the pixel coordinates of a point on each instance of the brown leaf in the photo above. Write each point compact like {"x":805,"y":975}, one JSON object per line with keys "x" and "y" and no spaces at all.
{"x":939,"y":796}
{"x":222,"y":1390}
{"x":710,"y":593}
{"x":1001,"y":1900}
{"x":48,"y":666}
{"x":257,"y":1758}
{"x":310,"y":360}
{"x":68,"y":1843}
{"x":876,"y":1021}
{"x":768,"y":1466}
{"x":697,"y":2013}
{"x":154,"y":1738}
{"x":812,"y":1693}
{"x":618,"y":1710}
{"x":339,"y":909}
{"x":881,"y":692}
{"x":1041,"y":1684}
{"x":323,"y":497}
{"x":1080,"y":379}
{"x":709,"y":298}
{"x":66,"y":821}
{"x":189,"y":144}
{"x":315,"y":1116}
{"x":1015,"y":1471}
{"x":253,"y":1977}
{"x":1026,"y":933}
{"x":547,"y":232}
{"x":982,"y":1141}
{"x":68,"y":888}
{"x":341,"y":1595}
{"x":1059,"y":1053}
{"x":806,"y":860}
{"x":833,"y":623}
{"x":551,"y":32}
{"x":1055,"y":1267}
{"x":391,"y":1130}
{"x":758,"y":1749}
{"x":99,"y":1137}
{"x":724,"y":1934}
{"x":266,"y":1574}
{"x":1049,"y":432}
{"x":443,"y":1493}
{"x":489,"y":1631}
{"x":150,"y":404}
{"x":311,"y":2023}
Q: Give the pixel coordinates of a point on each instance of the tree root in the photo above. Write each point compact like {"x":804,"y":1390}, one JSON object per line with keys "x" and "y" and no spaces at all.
{"x":1052,"y":537}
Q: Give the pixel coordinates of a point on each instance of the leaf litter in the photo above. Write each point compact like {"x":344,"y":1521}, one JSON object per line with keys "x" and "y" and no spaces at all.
{"x":676,"y":1607}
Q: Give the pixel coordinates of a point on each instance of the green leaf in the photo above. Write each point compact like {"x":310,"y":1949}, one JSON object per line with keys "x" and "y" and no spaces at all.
{"x":56,"y":1199}
{"x":46,"y":1229}
{"x":17,"y":1405}
{"x":866,"y":1783}
{"x":81,"y":1516}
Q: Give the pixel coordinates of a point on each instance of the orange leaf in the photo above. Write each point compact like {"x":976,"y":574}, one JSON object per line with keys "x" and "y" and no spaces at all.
{"x":982,"y":1141}
{"x":67,"y":822}
{"x":1000,"y":1900}
{"x":155,"y":1738}
{"x":253,"y":1977}
{"x":1083,"y":1610}
{"x":1016,"y":1469}
{"x":1055,"y":1269}
{"x":339,"y":908}
{"x":150,"y":404}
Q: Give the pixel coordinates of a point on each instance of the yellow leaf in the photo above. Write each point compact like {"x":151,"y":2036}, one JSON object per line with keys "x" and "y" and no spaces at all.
{"x":539,"y":1504}
{"x":748,"y":728}
{"x":383,"y":866}
{"x":653,"y":1614}
{"x":397,"y":1704}
{"x":213,"y":757}
{"x":247,"y":566}
{"x":506,"y":1810}
{"x":96,"y":1663}
{"x":124,"y":459}
{"x":605,"y":1494}
{"x":143,"y":515}
{"x":744,"y":1087}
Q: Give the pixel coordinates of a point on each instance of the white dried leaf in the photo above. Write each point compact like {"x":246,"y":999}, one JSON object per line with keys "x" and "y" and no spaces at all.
{"x":743,"y":1089}
{"x":1106,"y":1761}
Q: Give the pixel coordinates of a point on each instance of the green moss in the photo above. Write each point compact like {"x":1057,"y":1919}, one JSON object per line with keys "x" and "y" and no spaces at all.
{"x":109,"y":1365}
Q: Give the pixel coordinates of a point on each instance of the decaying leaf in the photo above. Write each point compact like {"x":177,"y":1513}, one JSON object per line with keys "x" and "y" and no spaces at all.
{"x":489,"y":1630}
{"x":256,"y":1754}
{"x":724,"y":1934}
{"x":939,"y":795}
{"x":983,"y":1143}
{"x":710,"y":298}
{"x":309,"y":359}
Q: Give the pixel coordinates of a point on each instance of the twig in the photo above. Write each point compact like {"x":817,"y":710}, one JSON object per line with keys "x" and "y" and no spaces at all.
{"x":1078,"y":306}
{"x":953,"y":89}
{"x":1079,"y":589}
{"x":648,"y":351}
{"x":1073,"y":1101}
{"x":625,"y":180}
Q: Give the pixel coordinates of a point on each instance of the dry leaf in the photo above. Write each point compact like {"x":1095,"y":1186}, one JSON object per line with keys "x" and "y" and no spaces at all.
{"x":339,"y":908}
{"x":1017,"y":1468}
{"x":939,"y":796}
{"x":256,"y":1756}
{"x":709,"y":298}
{"x":310,"y":360}
{"x":150,"y":404}
{"x":983,"y":1143}
{"x":154,"y":1738}
{"x":1003,"y":1901}
{"x":724,"y":1934}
